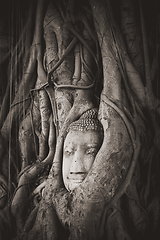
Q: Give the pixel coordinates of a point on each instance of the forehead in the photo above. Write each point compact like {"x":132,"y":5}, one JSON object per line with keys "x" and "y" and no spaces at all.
{"x":82,"y":137}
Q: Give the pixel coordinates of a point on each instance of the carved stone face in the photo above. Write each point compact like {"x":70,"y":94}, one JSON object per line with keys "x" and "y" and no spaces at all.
{"x":80,"y":149}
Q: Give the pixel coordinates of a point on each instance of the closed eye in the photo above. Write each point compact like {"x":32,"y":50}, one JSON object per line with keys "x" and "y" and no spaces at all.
{"x":68,"y":151}
{"x":92,"y":151}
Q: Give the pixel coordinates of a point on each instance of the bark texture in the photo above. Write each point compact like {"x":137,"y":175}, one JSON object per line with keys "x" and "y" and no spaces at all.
{"x":66,"y":58}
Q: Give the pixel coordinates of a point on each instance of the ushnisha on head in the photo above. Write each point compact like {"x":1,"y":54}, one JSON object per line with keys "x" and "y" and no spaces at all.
{"x":83,"y":140}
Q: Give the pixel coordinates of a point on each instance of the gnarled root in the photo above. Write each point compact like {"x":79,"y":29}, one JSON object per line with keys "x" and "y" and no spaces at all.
{"x":37,"y":227}
{"x":115,"y":227}
{"x":27,"y":176}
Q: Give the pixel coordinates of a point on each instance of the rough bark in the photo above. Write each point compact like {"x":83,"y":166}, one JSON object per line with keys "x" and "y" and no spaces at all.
{"x":81,"y":57}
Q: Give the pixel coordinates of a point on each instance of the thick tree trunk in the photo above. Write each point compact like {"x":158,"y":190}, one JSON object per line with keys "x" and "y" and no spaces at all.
{"x":81,"y":55}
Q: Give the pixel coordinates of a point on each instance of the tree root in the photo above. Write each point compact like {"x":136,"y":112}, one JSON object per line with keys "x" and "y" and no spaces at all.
{"x":21,"y":195}
{"x":115,"y":227}
{"x":136,"y":148}
{"x":45,"y":111}
{"x":3,"y":191}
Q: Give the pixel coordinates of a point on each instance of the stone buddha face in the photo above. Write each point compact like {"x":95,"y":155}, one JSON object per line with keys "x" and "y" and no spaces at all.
{"x":80,"y":148}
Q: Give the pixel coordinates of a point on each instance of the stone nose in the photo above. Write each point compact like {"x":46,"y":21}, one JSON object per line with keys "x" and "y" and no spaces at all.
{"x":77,"y":165}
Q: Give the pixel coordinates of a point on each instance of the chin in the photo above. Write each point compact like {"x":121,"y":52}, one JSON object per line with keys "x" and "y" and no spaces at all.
{"x":72,"y":186}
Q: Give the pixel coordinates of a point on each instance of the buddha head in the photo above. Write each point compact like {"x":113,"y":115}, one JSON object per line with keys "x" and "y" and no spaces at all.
{"x":83,"y":141}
